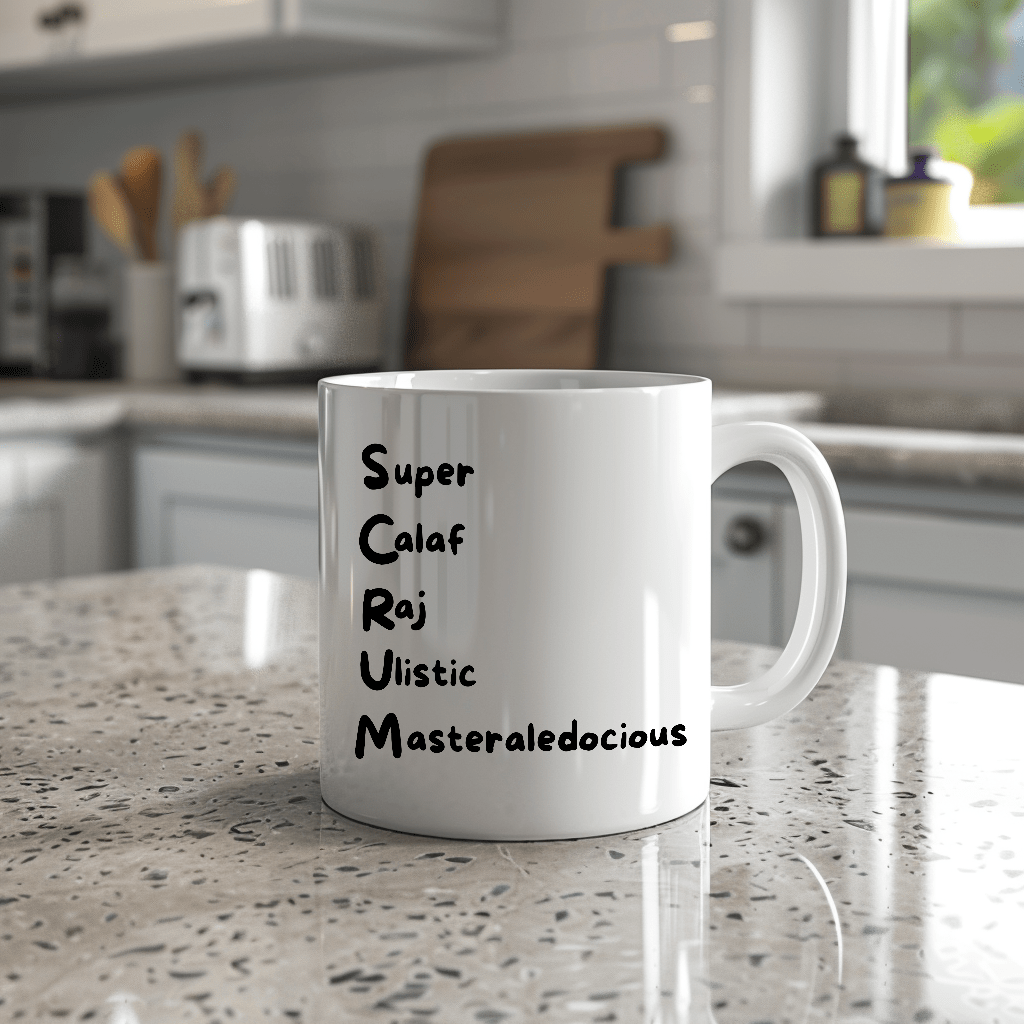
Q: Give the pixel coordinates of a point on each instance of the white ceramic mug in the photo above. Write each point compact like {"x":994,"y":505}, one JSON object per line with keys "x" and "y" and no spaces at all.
{"x":515,"y":598}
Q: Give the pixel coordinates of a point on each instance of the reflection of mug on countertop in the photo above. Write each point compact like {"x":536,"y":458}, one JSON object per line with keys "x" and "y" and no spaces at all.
{"x":515,"y":598}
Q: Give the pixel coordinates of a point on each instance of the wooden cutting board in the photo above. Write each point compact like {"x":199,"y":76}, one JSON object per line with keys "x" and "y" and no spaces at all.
{"x":512,"y":245}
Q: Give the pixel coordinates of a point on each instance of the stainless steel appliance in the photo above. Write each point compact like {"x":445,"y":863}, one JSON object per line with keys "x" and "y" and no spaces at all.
{"x":267,"y":299}
{"x":36,"y":229}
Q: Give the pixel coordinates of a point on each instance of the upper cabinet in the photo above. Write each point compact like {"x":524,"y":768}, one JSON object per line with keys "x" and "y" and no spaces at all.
{"x":67,"y":47}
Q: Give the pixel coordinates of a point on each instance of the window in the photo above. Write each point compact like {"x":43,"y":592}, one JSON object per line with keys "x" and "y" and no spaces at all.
{"x":794,"y":74}
{"x":798,"y":72}
{"x":966,"y":97}
{"x":966,"y":90}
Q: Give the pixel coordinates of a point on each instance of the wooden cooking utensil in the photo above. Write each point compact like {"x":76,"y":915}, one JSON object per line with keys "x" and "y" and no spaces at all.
{"x":219,"y":191}
{"x":192,"y":199}
{"x":189,"y":196}
{"x":110,"y":207}
{"x":140,"y":179}
{"x":512,"y":246}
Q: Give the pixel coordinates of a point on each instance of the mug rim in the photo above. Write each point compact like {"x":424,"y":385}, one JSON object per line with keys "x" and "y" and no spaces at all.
{"x":462,"y":381}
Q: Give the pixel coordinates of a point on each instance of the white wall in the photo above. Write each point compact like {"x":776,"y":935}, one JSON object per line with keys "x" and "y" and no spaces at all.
{"x":349,"y":147}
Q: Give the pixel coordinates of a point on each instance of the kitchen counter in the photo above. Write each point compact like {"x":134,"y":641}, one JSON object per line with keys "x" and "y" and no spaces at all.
{"x":166,"y":856}
{"x":59,"y":407}
{"x":82,"y":407}
{"x":901,"y":436}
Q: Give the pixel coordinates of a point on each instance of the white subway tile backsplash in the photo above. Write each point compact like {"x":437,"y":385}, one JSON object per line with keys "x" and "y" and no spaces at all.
{"x":706,"y":321}
{"x":374,"y":196}
{"x":664,"y":360}
{"x":516,"y":77}
{"x":622,"y":15}
{"x":632,"y":65}
{"x":278,"y":194}
{"x":693,"y":129}
{"x":575,"y":70}
{"x":694,"y":251}
{"x":351,"y":146}
{"x":692,"y":64}
{"x":696,"y":191}
{"x":542,"y":20}
{"x":850,"y":328}
{"x":939,"y":375}
{"x":648,"y":193}
{"x":732,"y":367}
{"x":535,"y":21}
{"x":992,"y":331}
{"x":375,"y":95}
{"x":656,"y":287}
{"x":342,"y":147}
{"x":653,"y":314}
{"x":775,"y":370}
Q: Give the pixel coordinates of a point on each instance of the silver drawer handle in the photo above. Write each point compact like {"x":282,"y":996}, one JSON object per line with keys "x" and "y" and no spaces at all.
{"x":55,"y":18}
{"x":745,"y":535}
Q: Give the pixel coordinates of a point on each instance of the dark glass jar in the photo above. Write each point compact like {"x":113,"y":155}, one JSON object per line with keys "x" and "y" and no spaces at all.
{"x":919,"y":205}
{"x":848,"y":194}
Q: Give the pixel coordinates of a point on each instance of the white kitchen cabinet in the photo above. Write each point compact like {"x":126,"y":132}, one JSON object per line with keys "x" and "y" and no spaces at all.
{"x":939,"y":593}
{"x":33,"y":31}
{"x":53,"y":47}
{"x":936,"y":575}
{"x":746,"y":569}
{"x":24,"y":40}
{"x":247,"y":504}
{"x":61,"y":508}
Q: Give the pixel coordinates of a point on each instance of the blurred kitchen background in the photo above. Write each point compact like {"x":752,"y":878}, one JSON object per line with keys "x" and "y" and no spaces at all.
{"x":903,"y":359}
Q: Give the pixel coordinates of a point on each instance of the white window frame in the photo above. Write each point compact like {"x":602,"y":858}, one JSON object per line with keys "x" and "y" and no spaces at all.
{"x":795,"y":73}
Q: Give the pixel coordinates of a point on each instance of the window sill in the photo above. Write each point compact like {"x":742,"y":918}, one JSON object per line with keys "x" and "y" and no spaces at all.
{"x":870,"y":270}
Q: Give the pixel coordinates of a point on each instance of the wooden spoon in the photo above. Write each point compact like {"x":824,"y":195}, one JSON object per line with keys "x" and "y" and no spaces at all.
{"x":140,"y":176}
{"x":189,"y":195}
{"x":219,"y":191}
{"x":112,"y":211}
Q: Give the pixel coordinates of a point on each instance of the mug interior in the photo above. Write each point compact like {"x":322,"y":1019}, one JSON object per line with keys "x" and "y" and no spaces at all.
{"x":511,"y":380}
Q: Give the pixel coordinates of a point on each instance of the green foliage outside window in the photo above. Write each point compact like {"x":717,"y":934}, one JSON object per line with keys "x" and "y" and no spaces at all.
{"x":956,"y":47}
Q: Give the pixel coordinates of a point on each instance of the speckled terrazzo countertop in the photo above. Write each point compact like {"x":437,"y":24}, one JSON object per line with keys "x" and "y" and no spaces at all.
{"x":954,"y":439}
{"x":57,"y":407}
{"x":35,"y":407}
{"x":166,"y":857}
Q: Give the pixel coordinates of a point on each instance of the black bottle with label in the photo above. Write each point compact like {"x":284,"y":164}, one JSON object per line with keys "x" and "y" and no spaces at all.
{"x":848,"y":194}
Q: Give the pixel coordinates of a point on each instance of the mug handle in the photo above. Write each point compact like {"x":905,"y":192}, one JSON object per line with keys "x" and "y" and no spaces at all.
{"x":819,"y":614}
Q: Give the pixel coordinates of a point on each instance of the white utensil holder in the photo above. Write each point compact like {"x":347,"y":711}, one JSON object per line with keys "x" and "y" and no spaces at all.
{"x":148,"y":328}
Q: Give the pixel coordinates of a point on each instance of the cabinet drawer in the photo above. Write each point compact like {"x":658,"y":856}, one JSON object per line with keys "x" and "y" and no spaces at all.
{"x":58,"y":514}
{"x":946,"y":552}
{"x":31,"y":547}
{"x":935,"y":630}
{"x":743,"y":581}
{"x":245,"y":511}
{"x":249,"y":537}
{"x":135,"y":26}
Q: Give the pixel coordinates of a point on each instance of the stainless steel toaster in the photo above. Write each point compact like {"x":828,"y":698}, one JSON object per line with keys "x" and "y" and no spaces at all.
{"x":262,"y":299}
